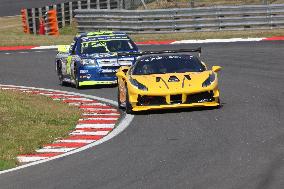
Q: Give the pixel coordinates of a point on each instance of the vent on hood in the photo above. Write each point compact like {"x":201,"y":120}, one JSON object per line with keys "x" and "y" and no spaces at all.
{"x":158,"y":79}
{"x":187,"y":77}
{"x":173,"y":79}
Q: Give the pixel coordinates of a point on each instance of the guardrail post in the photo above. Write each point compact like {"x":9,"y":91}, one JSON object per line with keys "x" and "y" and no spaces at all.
{"x":120,"y":4}
{"x":40,"y":12}
{"x":98,"y":4}
{"x":88,"y":4}
{"x":265,"y":2}
{"x":192,"y":3}
{"x":63,"y":14}
{"x":108,"y":4}
{"x":34,"y":20}
{"x":70,"y":11}
{"x":144,"y":4}
{"x":269,"y":17}
{"x":79,"y":5}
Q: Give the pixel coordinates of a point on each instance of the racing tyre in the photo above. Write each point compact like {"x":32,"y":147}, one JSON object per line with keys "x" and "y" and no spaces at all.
{"x":60,"y":75}
{"x":61,"y":82}
{"x":120,"y":105}
{"x":77,"y":86}
{"x":128,"y":107}
{"x":219,"y":106}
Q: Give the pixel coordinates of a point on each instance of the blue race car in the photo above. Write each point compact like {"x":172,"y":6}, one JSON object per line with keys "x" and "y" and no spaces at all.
{"x":92,"y":58}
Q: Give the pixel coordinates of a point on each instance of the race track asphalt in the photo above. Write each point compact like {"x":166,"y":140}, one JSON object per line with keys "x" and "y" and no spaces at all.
{"x":240,"y":146}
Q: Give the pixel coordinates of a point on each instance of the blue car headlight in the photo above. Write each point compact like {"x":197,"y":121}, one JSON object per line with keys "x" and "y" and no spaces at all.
{"x":209,"y":80}
{"x":138,"y":85}
{"x":88,"y":62}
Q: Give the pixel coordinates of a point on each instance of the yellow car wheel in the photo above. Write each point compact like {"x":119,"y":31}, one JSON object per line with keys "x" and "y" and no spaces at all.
{"x":120,"y":100}
{"x":77,"y":86}
{"x":219,"y":104}
{"x":128,"y":107}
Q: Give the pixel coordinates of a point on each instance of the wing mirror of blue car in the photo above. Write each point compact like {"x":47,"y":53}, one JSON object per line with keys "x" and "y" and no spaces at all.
{"x":216,"y":68}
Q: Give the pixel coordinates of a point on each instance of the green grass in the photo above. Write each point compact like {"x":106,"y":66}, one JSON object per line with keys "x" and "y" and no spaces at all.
{"x":28,"y":121}
{"x":11,"y":34}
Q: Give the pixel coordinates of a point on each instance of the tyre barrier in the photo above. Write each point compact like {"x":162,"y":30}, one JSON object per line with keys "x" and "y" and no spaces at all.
{"x":98,"y":119}
{"x":51,"y":24}
{"x":25,"y":21}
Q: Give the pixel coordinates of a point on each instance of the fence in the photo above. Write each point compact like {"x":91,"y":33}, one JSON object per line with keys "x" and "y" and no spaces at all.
{"x":65,"y":11}
{"x":183,"y":20}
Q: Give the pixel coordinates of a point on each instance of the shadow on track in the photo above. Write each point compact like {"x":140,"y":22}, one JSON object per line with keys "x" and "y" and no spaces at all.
{"x":90,"y":87}
{"x":177,"y":110}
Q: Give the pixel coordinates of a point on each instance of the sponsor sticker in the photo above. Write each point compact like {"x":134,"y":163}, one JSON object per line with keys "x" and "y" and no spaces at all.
{"x":108,"y":71}
{"x":84,"y":71}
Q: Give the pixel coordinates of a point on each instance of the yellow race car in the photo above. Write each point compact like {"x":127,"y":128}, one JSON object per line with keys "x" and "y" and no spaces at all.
{"x":165,"y":80}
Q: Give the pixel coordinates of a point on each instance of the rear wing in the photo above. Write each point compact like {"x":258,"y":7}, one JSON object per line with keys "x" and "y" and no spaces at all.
{"x":160,"y":52}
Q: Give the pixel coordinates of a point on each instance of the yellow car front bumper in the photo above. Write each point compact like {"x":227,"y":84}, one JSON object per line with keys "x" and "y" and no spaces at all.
{"x":185,"y":102}
{"x":172,"y":106}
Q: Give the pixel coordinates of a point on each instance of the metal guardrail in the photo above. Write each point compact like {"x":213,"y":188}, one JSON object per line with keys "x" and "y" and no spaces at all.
{"x":166,"y":4}
{"x":65,"y":11}
{"x":183,"y":20}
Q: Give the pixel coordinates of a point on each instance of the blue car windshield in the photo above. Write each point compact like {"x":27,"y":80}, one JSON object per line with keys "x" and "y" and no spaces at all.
{"x":160,"y":64}
{"x":108,"y":46}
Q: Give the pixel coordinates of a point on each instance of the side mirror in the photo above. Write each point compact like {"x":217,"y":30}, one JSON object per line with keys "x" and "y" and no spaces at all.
{"x":124,"y":69}
{"x":216,"y":68}
{"x":121,"y":72}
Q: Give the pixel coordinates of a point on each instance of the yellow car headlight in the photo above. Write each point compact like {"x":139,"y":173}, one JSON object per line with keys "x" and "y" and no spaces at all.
{"x":209,"y":80}
{"x":138,"y":85}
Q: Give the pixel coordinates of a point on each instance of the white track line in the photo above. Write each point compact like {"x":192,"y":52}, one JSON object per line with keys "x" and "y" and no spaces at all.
{"x":94,"y":126}
{"x":124,"y":123}
{"x":26,"y":159}
{"x":217,"y":40}
{"x":100,"y":114}
{"x":77,"y":141}
{"x":86,"y":119}
{"x":45,"y":47}
{"x":48,"y":149}
{"x":81,"y":132}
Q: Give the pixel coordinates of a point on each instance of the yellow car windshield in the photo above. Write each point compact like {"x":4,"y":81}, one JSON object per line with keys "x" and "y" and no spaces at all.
{"x":161,"y":64}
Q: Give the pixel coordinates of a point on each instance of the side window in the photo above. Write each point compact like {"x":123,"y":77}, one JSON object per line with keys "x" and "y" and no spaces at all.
{"x":71,"y":47}
{"x":132,"y":45}
{"x":73,"y":52}
{"x":78,"y":46}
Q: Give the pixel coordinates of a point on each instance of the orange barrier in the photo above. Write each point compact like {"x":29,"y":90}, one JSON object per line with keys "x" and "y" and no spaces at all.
{"x":41,"y":30}
{"x":24,"y":21}
{"x":52,"y":23}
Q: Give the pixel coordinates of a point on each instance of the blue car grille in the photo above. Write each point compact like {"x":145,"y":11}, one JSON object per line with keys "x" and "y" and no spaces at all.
{"x":110,"y":67}
{"x":108,"y":74}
